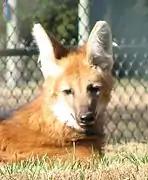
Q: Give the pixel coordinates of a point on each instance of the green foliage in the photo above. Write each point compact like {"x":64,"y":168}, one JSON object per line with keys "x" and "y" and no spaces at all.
{"x":58,"y":17}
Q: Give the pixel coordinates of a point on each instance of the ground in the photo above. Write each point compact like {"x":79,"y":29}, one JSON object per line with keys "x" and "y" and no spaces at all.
{"x":122,"y":161}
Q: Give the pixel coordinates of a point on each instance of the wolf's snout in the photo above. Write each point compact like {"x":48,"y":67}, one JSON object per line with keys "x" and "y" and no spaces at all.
{"x":86,"y":118}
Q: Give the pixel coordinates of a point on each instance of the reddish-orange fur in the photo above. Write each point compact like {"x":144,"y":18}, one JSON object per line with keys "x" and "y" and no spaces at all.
{"x":34,"y":130}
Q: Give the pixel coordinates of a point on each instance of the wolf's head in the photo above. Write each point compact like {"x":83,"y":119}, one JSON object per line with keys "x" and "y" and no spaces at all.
{"x":77,"y":87}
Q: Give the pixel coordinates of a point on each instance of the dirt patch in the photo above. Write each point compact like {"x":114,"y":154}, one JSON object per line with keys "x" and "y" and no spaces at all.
{"x":140,"y":149}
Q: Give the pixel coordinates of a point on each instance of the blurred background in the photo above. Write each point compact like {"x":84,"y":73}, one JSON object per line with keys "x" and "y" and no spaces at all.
{"x":70,"y":22}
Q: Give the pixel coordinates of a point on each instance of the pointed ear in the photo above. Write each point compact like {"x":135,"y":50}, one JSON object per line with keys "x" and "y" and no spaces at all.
{"x":46,"y":52}
{"x":99,"y":46}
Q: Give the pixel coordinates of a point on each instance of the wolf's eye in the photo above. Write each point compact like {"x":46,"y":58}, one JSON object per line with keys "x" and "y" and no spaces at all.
{"x":93,"y":88}
{"x":67,"y":91}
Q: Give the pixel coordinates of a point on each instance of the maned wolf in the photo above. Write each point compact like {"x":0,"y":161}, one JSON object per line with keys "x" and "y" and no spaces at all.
{"x":70,"y":108}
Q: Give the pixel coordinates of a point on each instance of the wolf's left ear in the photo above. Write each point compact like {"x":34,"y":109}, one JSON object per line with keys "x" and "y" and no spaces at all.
{"x":59,"y":49}
{"x":99,"y":46}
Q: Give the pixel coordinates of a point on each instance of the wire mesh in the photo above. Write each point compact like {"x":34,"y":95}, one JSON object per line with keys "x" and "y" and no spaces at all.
{"x":20,"y":76}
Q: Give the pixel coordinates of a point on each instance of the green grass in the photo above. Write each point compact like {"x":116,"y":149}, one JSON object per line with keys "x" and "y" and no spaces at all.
{"x":127,"y":161}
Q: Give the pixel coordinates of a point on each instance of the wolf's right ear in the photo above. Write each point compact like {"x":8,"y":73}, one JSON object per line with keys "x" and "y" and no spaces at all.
{"x":47,"y":55}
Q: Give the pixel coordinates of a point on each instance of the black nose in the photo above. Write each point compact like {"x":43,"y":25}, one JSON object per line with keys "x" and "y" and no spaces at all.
{"x":86,"y":118}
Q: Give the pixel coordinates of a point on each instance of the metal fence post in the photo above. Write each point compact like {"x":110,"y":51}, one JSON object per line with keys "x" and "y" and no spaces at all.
{"x":83,"y":22}
{"x":12,"y":72}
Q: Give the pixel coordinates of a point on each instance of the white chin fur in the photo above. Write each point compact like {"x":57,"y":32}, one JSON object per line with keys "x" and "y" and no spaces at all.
{"x":65,"y":115}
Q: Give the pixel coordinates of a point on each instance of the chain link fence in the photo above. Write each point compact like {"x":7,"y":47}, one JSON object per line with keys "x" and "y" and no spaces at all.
{"x":70,"y":22}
